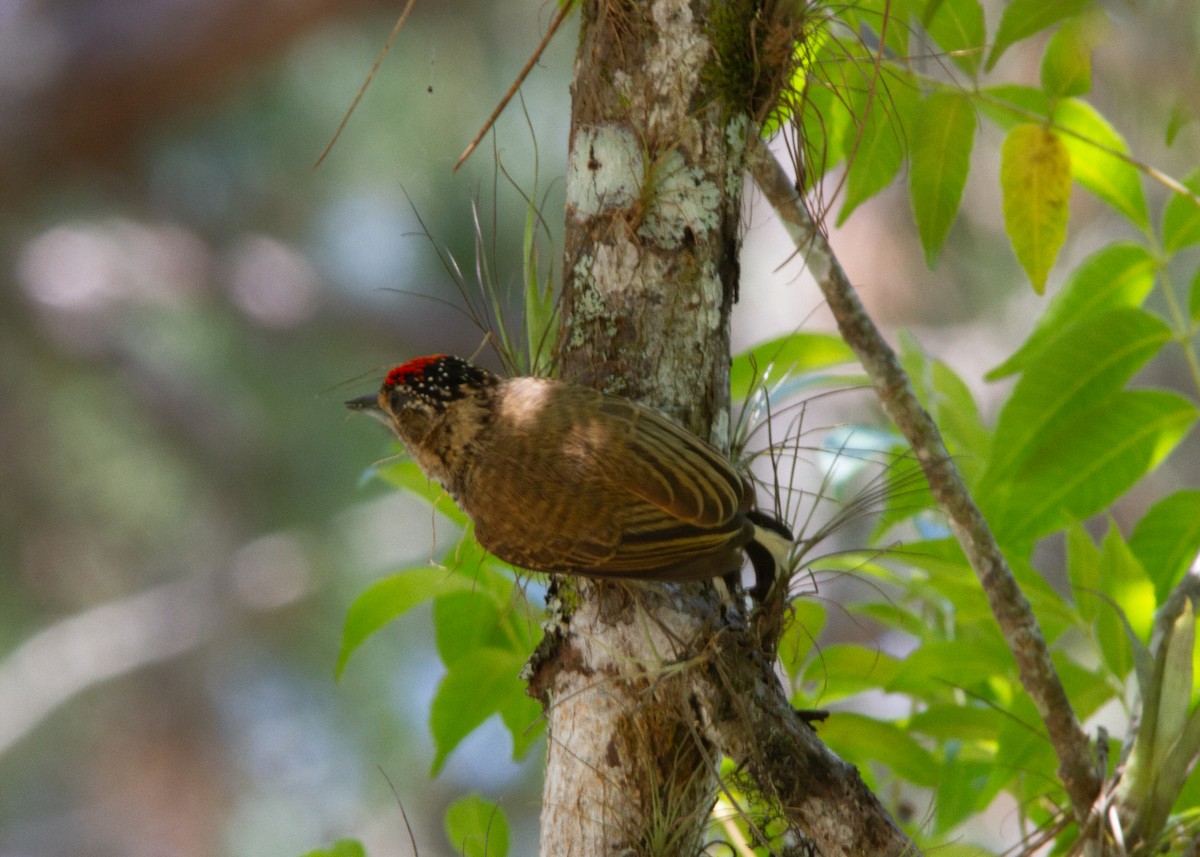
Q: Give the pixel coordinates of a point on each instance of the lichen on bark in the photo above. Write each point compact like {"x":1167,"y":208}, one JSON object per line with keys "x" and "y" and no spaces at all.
{"x":632,"y":677}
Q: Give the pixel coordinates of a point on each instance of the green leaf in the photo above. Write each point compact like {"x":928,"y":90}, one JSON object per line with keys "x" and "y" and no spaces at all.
{"x":874,"y":144}
{"x":1089,"y":139}
{"x":1124,"y":621}
{"x":1119,"y":275}
{"x":1069,"y":375}
{"x":959,"y":418}
{"x":1180,"y":753}
{"x":824,"y":117}
{"x":522,"y":716}
{"x":860,"y":740}
{"x":1090,"y":460}
{"x":1024,"y":18}
{"x":959,"y":29}
{"x":472,"y":690}
{"x":943,"y":136}
{"x":1182,"y":115}
{"x":1035,"y":180}
{"x":1083,"y":571}
{"x":946,"y":577}
{"x":389,"y":599}
{"x":947,"y":721}
{"x":1156,"y":767}
{"x":843,"y":670}
{"x":1054,"y":613}
{"x":887,"y":18}
{"x":1028,"y":763}
{"x":1011,"y":104}
{"x":1086,"y":687}
{"x":1067,"y":63}
{"x":1176,"y":689}
{"x":1181,"y":217}
{"x":800,"y":635}
{"x":464,"y":621}
{"x":407,"y":475}
{"x":467,"y":623}
{"x":541,"y":308}
{"x":1189,"y":793}
{"x":1125,"y":582}
{"x":477,"y":828}
{"x":789,"y":355}
{"x":963,"y":663}
{"x":1167,"y":539}
{"x":912,"y":621}
{"x":949,"y":401}
{"x":341,"y":848}
{"x":962,"y":793}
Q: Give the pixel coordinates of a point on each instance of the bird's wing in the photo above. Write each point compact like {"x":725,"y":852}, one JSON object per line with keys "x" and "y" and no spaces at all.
{"x":619,"y":493}
{"x":680,"y":502}
{"x":647,"y":544}
{"x":675,"y":471}
{"x":575,"y":514}
{"x":532,"y":523}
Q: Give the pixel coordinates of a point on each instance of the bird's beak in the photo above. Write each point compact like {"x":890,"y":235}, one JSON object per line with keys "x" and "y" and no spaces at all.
{"x":369,"y":405}
{"x":364,"y":403}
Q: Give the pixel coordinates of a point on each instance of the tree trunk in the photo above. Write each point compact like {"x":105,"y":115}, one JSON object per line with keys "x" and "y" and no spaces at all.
{"x":653,"y":199}
{"x":648,"y":687}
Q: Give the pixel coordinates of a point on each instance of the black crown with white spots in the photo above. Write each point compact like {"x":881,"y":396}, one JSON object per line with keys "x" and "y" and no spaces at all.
{"x":437,"y":379}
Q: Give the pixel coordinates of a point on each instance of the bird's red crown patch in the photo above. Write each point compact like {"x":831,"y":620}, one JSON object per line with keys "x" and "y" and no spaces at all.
{"x":413,"y":370}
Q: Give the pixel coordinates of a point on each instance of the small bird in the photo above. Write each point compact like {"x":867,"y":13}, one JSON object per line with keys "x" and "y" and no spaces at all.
{"x":562,"y":478}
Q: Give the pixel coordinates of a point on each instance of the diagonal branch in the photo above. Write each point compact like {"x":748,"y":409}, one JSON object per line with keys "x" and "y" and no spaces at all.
{"x":752,"y":722}
{"x":895,"y":391}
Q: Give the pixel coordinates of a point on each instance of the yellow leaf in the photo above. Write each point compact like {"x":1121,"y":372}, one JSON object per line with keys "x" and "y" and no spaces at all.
{"x":1035,"y":179}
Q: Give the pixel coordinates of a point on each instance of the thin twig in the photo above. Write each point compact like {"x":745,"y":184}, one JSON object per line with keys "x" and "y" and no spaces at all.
{"x":563,"y":11}
{"x":895,"y":391}
{"x":412,"y":840}
{"x":370,"y":77}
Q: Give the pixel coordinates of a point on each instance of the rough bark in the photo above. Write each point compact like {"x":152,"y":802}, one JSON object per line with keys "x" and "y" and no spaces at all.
{"x":648,"y":687}
{"x":653,"y":199}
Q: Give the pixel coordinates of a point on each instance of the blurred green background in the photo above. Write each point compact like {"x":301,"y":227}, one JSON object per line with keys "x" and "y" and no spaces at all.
{"x":184,"y":305}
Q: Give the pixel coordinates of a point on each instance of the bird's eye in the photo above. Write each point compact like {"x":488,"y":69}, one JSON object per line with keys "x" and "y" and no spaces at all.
{"x":399,"y":397}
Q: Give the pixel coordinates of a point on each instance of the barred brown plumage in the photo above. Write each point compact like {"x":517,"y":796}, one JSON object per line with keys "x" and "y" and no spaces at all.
{"x":562,"y":478}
